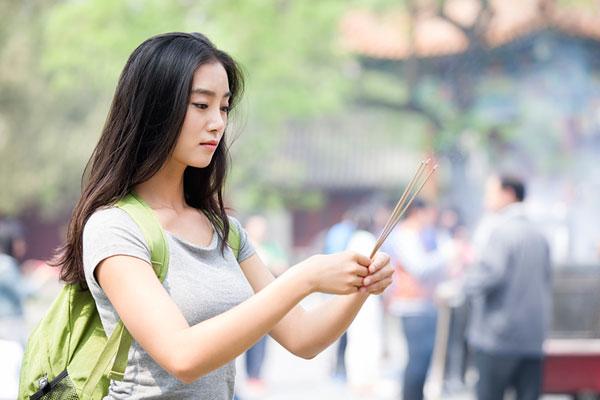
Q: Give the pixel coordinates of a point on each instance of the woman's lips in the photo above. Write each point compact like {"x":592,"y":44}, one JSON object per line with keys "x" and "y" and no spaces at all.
{"x":210,"y":144}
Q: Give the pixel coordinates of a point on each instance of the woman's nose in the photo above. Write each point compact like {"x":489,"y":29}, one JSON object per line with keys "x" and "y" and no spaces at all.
{"x":217,"y":121}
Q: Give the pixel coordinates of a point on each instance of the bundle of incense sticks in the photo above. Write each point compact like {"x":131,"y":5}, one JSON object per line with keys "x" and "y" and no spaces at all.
{"x":412,"y":190}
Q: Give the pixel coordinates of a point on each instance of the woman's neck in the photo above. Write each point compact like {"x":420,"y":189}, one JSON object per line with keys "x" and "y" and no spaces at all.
{"x":164,"y":189}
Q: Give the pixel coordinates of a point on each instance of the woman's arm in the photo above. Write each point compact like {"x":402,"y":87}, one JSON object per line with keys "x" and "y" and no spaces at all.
{"x":307,"y":333}
{"x":187,"y":353}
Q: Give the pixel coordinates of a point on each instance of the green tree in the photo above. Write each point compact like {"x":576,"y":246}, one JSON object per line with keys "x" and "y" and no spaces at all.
{"x":60,"y":62}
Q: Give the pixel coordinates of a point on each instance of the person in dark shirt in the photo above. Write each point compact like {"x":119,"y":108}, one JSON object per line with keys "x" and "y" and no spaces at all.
{"x":510,"y":288}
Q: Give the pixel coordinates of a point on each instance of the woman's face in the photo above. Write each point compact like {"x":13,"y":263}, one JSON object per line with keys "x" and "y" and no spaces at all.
{"x":206,"y":117}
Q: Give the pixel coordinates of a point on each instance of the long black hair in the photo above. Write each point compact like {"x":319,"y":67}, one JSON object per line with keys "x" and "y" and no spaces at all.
{"x":140,"y":133}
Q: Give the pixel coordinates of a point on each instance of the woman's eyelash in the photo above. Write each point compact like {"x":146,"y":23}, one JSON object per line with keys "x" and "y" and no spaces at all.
{"x":203,"y":106}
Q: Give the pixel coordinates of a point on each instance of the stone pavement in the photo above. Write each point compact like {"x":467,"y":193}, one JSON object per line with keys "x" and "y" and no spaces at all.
{"x":291,"y":378}
{"x":288,"y":377}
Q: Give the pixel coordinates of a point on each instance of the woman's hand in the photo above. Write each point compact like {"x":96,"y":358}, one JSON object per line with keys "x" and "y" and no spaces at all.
{"x":339,"y":273}
{"x":380,"y":275}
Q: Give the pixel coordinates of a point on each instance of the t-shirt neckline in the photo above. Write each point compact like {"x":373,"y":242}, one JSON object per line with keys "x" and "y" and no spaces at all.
{"x":212,"y":245}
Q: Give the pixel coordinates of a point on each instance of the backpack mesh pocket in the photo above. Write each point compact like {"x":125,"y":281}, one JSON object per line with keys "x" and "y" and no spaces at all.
{"x":60,"y":388}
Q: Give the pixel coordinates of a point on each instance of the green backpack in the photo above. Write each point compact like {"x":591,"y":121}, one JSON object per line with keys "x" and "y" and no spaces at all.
{"x":68,"y":355}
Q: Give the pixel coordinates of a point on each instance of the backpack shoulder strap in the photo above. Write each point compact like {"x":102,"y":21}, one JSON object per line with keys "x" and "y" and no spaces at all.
{"x":119,"y":341}
{"x":234,"y":240}
{"x":144,"y":217}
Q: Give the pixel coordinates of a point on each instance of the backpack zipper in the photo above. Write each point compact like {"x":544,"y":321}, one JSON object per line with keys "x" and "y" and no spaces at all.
{"x":47,"y":386}
{"x":43,"y":382}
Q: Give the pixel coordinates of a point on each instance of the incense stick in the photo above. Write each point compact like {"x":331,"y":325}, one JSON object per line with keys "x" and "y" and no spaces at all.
{"x":405,"y":201}
{"x":399,"y":206}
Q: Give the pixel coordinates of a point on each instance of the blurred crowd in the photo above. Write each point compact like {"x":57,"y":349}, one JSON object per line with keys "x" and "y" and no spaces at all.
{"x":472,"y":306}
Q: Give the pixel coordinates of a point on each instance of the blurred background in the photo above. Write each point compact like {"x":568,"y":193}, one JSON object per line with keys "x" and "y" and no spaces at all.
{"x":343,"y":99}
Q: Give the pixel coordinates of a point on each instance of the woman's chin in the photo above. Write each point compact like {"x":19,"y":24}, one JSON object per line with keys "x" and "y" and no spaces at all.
{"x":199,"y":163}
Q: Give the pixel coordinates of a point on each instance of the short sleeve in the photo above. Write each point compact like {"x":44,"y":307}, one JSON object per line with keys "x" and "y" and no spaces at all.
{"x":110,"y":232}
{"x":246,"y":248}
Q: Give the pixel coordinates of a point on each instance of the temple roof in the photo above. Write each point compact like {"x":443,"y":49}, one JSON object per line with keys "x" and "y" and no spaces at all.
{"x":387,"y":36}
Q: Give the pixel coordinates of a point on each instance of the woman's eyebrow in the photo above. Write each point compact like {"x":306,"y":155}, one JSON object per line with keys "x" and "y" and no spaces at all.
{"x":208,"y":92}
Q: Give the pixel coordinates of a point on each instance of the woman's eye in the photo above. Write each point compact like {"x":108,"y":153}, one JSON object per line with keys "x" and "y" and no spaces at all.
{"x":201,"y":106}
{"x":225,"y":109}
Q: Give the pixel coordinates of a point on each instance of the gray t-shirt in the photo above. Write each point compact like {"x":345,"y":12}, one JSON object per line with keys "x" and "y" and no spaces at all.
{"x":200,"y":280}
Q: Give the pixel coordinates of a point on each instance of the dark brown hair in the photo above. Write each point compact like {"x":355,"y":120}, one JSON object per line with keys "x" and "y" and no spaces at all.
{"x":140,"y":133}
{"x":514,"y":184}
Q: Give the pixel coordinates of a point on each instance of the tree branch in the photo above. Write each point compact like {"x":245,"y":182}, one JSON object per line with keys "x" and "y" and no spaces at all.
{"x":441,"y":13}
{"x":410,"y":106}
{"x":482,"y":21}
{"x":476,"y":32}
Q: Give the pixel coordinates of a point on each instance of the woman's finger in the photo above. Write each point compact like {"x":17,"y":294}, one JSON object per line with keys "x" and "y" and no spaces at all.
{"x":357,"y":281}
{"x":379,"y":287}
{"x":361,"y":271}
{"x":361,"y":259}
{"x":380,"y":275}
{"x":379,"y":261}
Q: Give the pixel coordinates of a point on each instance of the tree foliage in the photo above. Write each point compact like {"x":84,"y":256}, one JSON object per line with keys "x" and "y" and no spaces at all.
{"x":60,"y":61}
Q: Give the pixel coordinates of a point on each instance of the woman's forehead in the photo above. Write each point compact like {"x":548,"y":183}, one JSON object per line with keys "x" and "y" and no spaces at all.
{"x":211,"y":79}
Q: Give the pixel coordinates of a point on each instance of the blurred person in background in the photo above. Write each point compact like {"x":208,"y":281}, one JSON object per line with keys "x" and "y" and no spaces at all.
{"x":365,"y":337}
{"x":449,"y":295}
{"x":13,"y":287}
{"x":510,"y":288}
{"x":338,"y":236}
{"x":13,"y":292}
{"x":420,"y":267}
{"x":431,"y":232}
{"x":275,"y":259}
{"x":336,"y":240}
{"x":450,"y":227}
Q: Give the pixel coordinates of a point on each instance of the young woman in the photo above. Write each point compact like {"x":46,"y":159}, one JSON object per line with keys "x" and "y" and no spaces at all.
{"x":164,"y":140}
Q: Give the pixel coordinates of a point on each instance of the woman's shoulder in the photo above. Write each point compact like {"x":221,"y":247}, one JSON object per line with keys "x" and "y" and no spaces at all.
{"x":109,"y":231}
{"x":246,"y":249}
{"x":111,"y":220}
{"x":107,"y":216}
